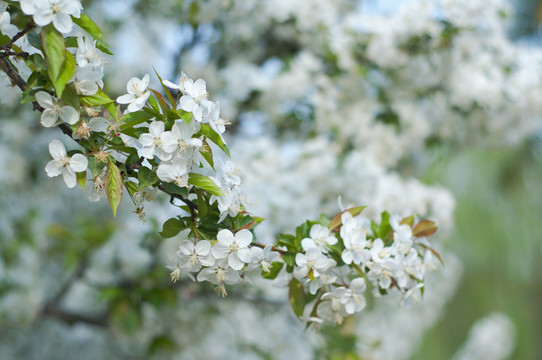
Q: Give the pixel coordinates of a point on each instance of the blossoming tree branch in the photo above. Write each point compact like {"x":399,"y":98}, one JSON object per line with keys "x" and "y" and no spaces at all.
{"x":171,"y":140}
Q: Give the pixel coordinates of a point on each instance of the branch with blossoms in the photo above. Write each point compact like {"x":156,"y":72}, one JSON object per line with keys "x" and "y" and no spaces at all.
{"x":172,"y":141}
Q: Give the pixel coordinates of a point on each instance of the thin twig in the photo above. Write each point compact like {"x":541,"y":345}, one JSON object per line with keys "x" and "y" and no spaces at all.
{"x":17,"y":36}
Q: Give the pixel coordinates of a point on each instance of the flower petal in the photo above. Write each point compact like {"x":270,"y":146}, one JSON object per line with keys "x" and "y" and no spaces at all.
{"x":243,"y":238}
{"x":69,"y":177}
{"x":63,"y":22}
{"x":57,"y":149}
{"x":220,"y":251}
{"x":53,"y":168}
{"x":44,"y":99}
{"x":69,"y":115}
{"x":235,"y":263}
{"x":225,"y":237}
{"x":78,"y":163}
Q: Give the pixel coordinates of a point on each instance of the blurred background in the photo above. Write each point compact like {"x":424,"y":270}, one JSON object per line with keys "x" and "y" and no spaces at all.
{"x":426,"y":107}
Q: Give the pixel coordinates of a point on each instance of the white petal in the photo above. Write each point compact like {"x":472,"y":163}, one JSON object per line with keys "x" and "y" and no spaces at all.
{"x":148,"y":152}
{"x":203,"y":248}
{"x":187,"y":103}
{"x":347,"y":256}
{"x":171,"y":85}
{"x":43,"y":16}
{"x":220,"y":251}
{"x":69,"y":177}
{"x":78,"y":163}
{"x":156,"y":128}
{"x":44,"y":99}
{"x":243,"y":238}
{"x":69,"y":115}
{"x":63,"y":22}
{"x":186,"y":247}
{"x":57,"y":149}
{"x":146,"y":140}
{"x":244,"y":255}
{"x":126,"y":98}
{"x":225,"y":236}
{"x":235,"y":263}
{"x":98,"y":124}
{"x":53,"y":168}
{"x":48,"y":118}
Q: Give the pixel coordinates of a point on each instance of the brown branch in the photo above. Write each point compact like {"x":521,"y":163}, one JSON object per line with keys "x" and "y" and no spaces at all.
{"x":274,"y":248}
{"x":17,"y":36}
{"x":72,"y":318}
{"x":191,"y":205}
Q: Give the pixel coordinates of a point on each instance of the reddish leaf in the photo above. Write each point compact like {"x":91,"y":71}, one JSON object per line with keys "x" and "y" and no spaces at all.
{"x":337,"y":222}
{"x":424,"y":228}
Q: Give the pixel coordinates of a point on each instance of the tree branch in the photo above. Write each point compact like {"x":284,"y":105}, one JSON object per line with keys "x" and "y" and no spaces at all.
{"x":17,"y":36}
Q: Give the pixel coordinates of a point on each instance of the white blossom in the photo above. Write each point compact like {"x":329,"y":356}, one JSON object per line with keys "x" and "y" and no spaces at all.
{"x":195,"y":97}
{"x":56,"y":11}
{"x":158,"y":141}
{"x":137,"y":93}
{"x":196,"y":255}
{"x":64,"y":165}
{"x":320,"y":237}
{"x":233,"y":247}
{"x":54,"y":111}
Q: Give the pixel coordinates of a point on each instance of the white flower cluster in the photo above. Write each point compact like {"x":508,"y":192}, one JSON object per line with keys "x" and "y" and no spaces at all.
{"x":178,"y":149}
{"x":395,"y":268}
{"x":222,"y":263}
{"x":58,"y":12}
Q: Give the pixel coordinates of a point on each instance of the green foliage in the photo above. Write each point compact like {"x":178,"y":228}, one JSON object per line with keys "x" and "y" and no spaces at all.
{"x":113,"y":186}
{"x":204,"y":183}
{"x":296,"y":295}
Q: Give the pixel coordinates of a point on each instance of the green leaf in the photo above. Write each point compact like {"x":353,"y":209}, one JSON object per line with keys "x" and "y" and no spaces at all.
{"x":204,"y":183}
{"x":273,"y":271}
{"x":68,"y":69}
{"x":203,"y":207}
{"x":207,"y":153}
{"x":166,"y":90}
{"x":160,"y":344}
{"x":134,"y":118}
{"x":113,"y":187}
{"x":82,"y":178}
{"x":146,"y":177}
{"x":287,"y":240}
{"x":131,"y":187}
{"x":100,"y":98}
{"x":89,"y":26}
{"x":385,"y":227}
{"x":171,"y":188}
{"x":296,"y":295}
{"x":212,"y":135}
{"x":155,"y":106}
{"x":55,"y":52}
{"x":70,"y":97}
{"x":104,"y":47}
{"x":34,"y":40}
{"x":409,"y":220}
{"x":71,"y":42}
{"x":289,"y":259}
{"x":36,"y":63}
{"x":171,"y":228}
{"x":95,"y":166}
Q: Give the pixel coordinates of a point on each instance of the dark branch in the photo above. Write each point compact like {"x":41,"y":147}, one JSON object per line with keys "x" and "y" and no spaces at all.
{"x":17,"y":36}
{"x":72,"y":318}
{"x":192,"y":206}
{"x":274,"y":248}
